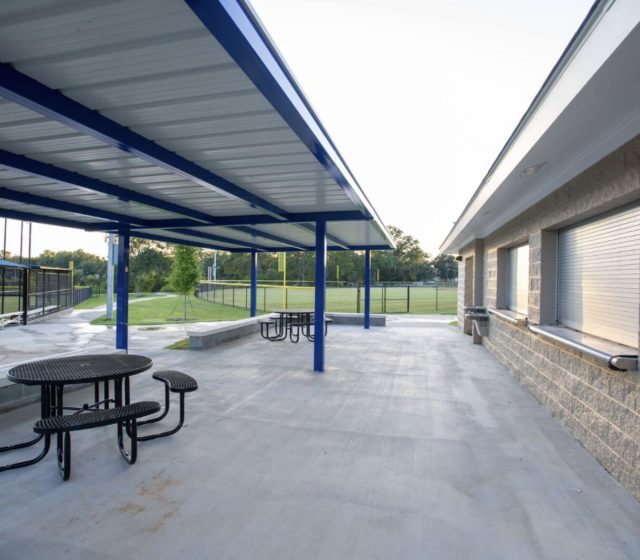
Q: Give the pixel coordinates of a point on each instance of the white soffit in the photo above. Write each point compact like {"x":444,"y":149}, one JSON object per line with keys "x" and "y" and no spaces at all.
{"x":589,"y":106}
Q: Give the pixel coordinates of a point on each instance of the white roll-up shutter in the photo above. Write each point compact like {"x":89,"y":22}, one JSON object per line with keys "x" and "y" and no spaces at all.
{"x":518,"y":279}
{"x":599,"y":276}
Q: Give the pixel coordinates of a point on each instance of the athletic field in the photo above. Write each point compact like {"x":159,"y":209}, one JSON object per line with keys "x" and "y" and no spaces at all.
{"x":412,"y":299}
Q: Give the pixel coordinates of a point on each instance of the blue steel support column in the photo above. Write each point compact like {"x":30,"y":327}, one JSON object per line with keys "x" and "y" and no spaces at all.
{"x":321,"y":281}
{"x":254,"y":283}
{"x":367,"y":288}
{"x":122,"y":311}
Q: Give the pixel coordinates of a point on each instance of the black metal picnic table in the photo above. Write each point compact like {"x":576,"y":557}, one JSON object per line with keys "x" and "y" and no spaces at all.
{"x":285,"y":318}
{"x":290,"y":322}
{"x":53,"y":374}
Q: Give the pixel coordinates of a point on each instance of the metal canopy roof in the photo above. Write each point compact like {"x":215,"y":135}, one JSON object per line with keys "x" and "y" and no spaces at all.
{"x":177,"y":119}
{"x":8,"y":264}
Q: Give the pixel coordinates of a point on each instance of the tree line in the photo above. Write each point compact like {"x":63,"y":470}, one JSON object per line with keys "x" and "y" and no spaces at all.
{"x":152,"y":262}
{"x":407,"y":263}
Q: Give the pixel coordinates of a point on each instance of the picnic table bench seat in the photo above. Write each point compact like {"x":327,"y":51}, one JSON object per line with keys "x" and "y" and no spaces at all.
{"x":174,"y":382}
{"x":265,"y":323}
{"x":65,"y":424}
{"x":306,"y":325}
{"x":95,"y":419}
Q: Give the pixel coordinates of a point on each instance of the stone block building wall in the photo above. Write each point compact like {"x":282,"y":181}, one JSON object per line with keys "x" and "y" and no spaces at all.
{"x":600,"y":406}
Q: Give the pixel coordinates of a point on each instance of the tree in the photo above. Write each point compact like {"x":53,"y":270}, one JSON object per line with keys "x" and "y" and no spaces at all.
{"x":406,"y":263}
{"x":446,"y":266}
{"x":186,"y":271}
{"x":137,"y":245}
{"x":89,"y":270}
{"x":300,"y":266}
{"x":150,"y":268}
{"x":350,"y":263}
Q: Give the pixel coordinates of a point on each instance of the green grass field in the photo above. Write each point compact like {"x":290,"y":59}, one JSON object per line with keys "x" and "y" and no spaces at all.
{"x":171,"y":310}
{"x":11,"y":304}
{"x":97,"y":301}
{"x":421,"y":299}
{"x":232,"y":303}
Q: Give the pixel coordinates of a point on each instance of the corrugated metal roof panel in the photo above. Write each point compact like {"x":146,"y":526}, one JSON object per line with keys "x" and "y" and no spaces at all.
{"x":153,"y":67}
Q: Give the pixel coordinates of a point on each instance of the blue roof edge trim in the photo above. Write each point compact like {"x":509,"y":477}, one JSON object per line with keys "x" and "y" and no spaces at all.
{"x":236,"y":27}
{"x":9,"y":264}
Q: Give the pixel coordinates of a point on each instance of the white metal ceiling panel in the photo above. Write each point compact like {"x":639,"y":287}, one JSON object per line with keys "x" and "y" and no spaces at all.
{"x":178,"y":236}
{"x":102,"y":71}
{"x":356,"y":234}
{"x":153,"y":67}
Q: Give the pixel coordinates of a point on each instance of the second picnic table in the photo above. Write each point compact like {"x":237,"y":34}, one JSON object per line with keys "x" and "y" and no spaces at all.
{"x":289,"y":322}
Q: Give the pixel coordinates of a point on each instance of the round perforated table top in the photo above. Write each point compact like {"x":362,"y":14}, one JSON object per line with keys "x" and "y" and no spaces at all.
{"x":79,"y":369}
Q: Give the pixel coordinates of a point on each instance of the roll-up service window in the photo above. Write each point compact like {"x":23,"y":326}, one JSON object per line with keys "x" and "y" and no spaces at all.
{"x":599,"y":276}
{"x":518,"y":279}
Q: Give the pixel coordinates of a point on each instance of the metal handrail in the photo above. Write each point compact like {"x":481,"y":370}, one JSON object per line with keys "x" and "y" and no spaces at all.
{"x":618,"y":362}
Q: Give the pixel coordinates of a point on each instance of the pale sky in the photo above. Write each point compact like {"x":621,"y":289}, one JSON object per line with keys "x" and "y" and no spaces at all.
{"x":418,"y":95}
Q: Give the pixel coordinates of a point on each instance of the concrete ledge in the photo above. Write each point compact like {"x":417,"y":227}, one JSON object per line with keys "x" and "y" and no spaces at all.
{"x":510,"y":316}
{"x":202,"y":340}
{"x":377,"y":320}
{"x":14,"y":395}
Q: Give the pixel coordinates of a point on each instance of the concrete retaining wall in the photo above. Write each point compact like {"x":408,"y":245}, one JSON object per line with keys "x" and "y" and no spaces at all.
{"x":376,"y":320}
{"x":202,"y":340}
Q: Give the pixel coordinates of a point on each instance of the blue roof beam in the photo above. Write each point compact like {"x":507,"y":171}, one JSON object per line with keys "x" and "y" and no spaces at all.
{"x":329,"y":248}
{"x":236,"y":28}
{"x":39,"y":218}
{"x":179,"y":227}
{"x":44,"y":202}
{"x":65,"y":177}
{"x":38,"y":97}
{"x":337,"y":241}
{"x":63,"y":222}
{"x":199,"y":244}
{"x":271,"y":237}
{"x":51,"y":172}
{"x":248,"y":220}
{"x":221,"y":238}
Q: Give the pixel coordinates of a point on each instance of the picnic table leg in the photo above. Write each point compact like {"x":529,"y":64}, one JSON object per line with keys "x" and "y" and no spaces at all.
{"x":63,"y":440}
{"x":293,"y":338}
{"x":64,"y":455}
{"x":45,"y":413}
{"x":282,"y":328}
{"x":106,"y":394}
{"x":278,"y":332}
{"x":129,"y":426}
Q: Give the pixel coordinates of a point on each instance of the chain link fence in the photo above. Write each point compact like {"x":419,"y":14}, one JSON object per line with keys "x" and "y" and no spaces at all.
{"x":35,"y":292}
{"x":427,"y":298}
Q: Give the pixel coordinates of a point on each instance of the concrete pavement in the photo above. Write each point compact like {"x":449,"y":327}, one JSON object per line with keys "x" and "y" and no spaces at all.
{"x":414,"y":444}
